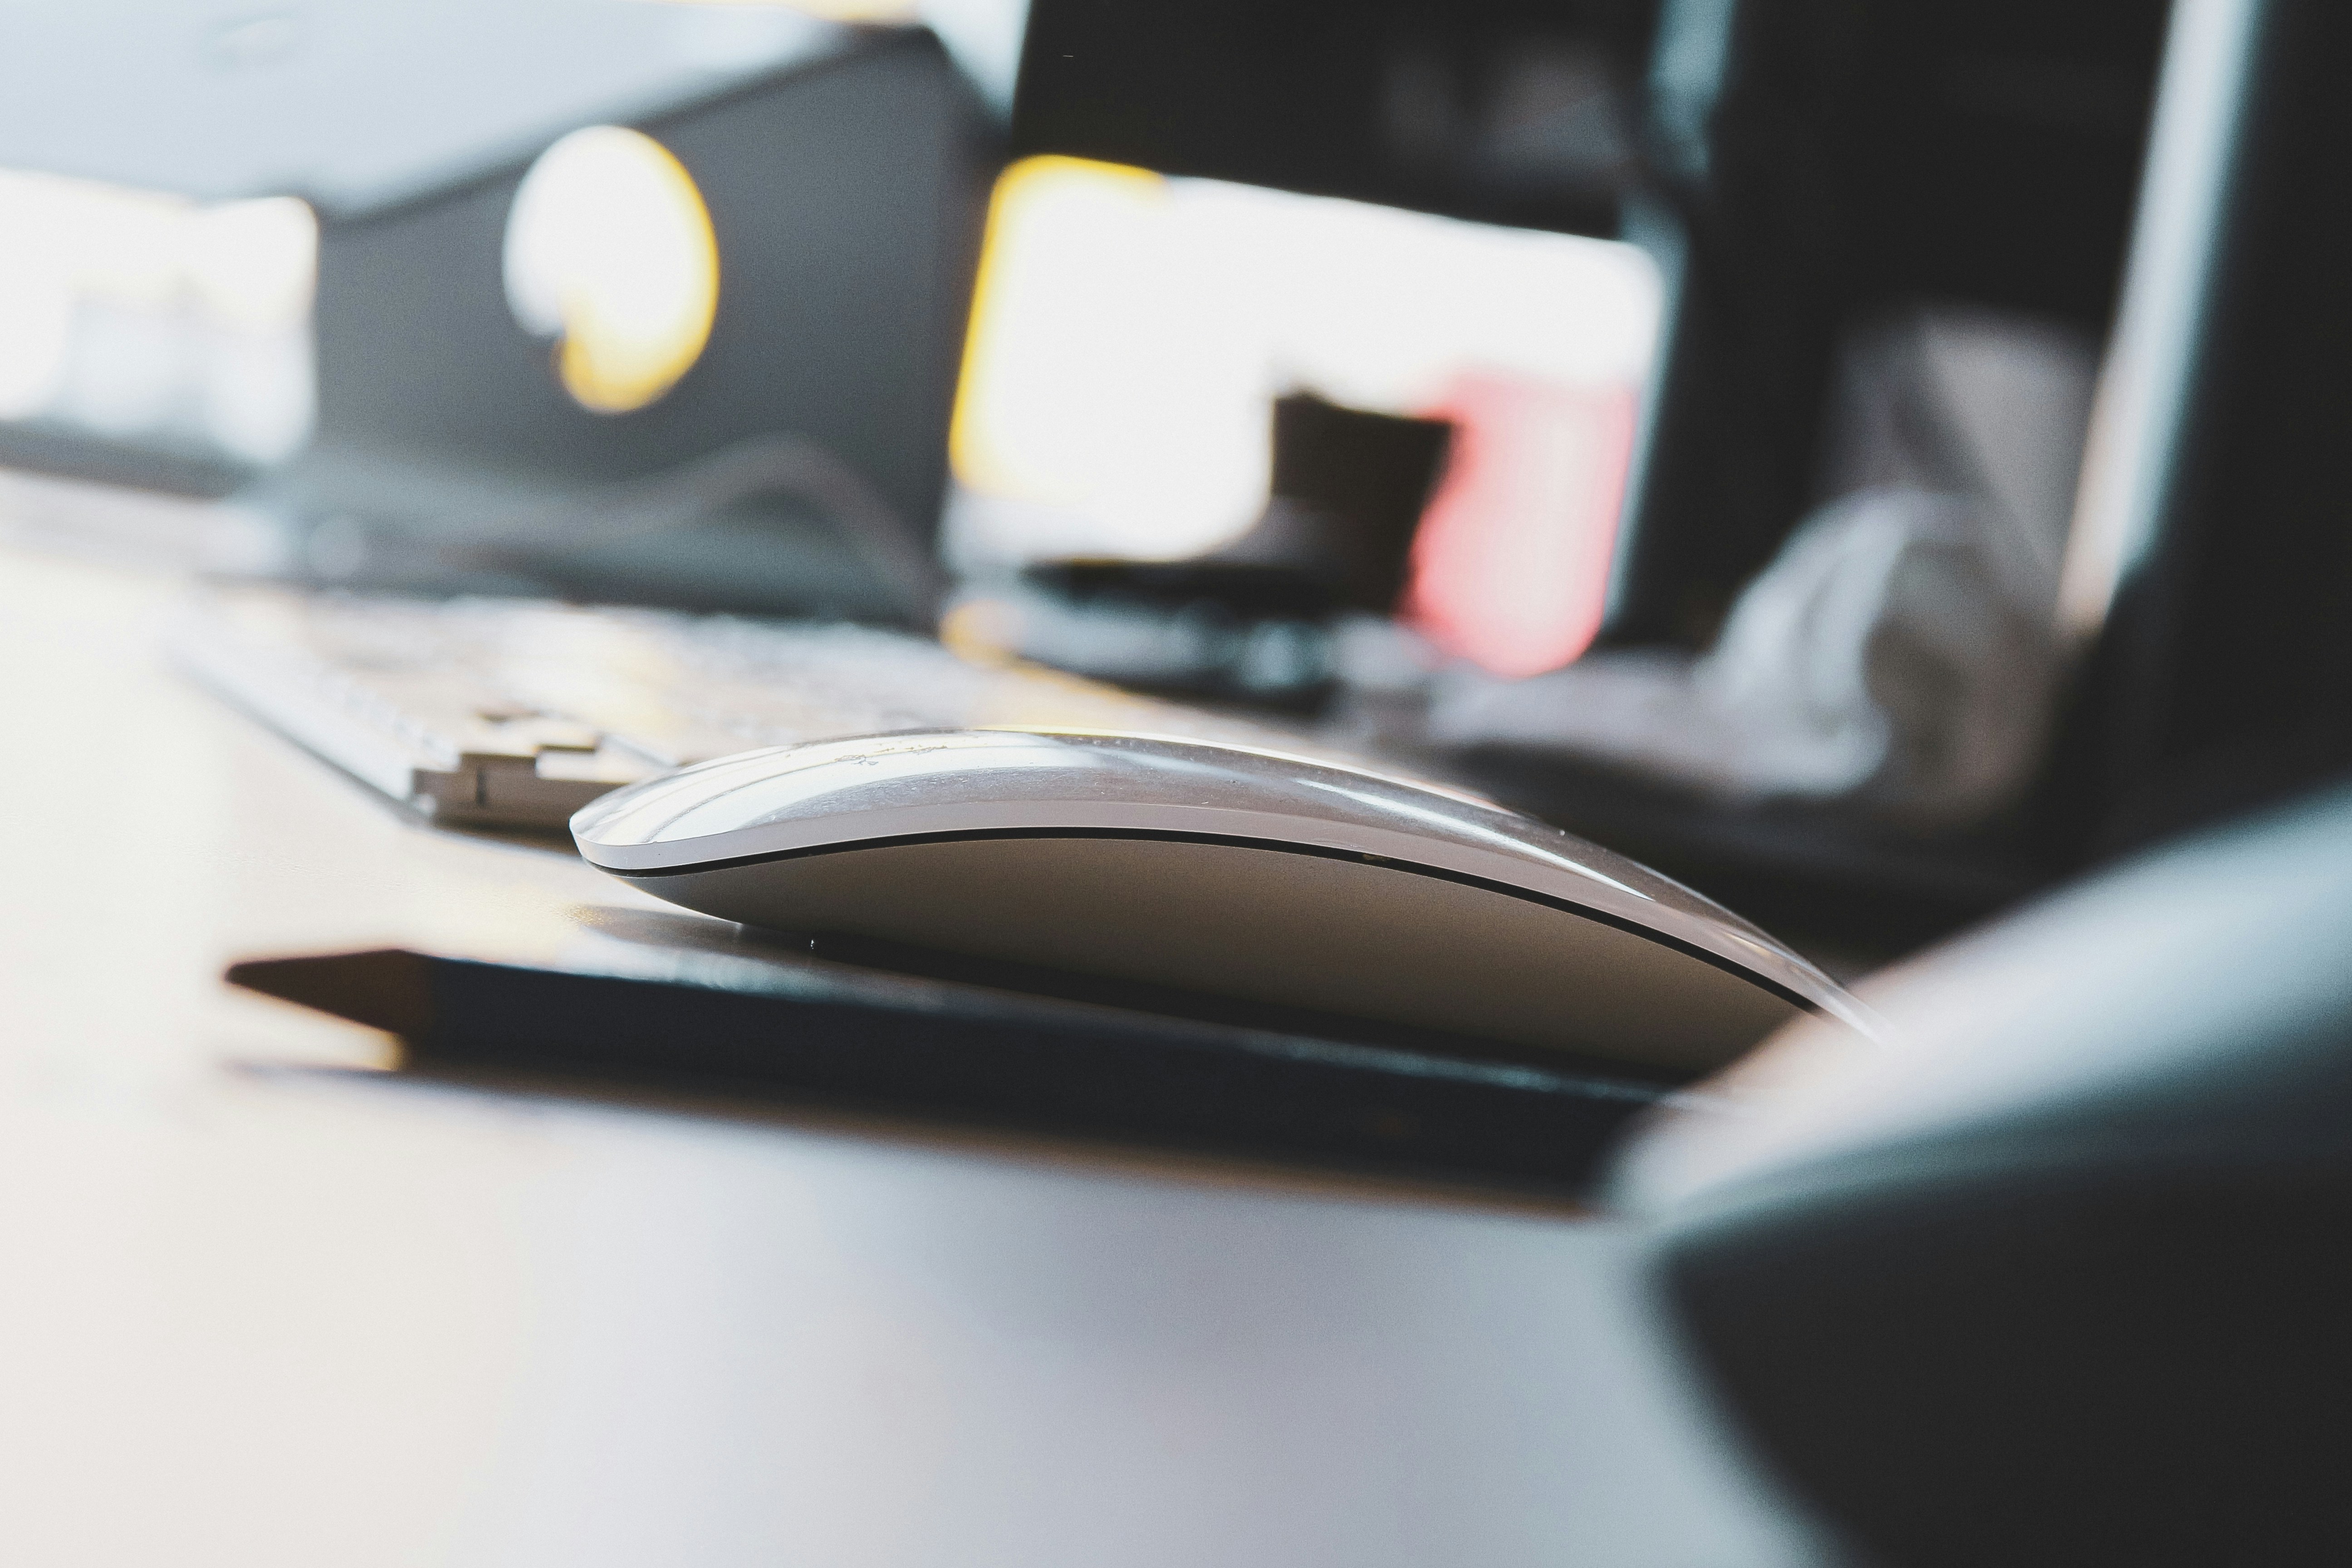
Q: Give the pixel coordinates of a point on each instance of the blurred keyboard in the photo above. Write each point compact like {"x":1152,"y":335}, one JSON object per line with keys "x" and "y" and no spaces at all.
{"x":518,"y":712}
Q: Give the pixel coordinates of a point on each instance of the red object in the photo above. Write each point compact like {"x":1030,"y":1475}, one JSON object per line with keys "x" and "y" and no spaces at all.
{"x":1510,"y":563}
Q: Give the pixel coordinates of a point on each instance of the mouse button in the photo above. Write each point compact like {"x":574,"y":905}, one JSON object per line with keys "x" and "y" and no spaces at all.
{"x":1143,"y":773}
{"x":827,"y":780}
{"x":1171,"y":770}
{"x":951,"y":771}
{"x":1250,"y":779}
{"x":1321,"y":787}
{"x":649,"y":813}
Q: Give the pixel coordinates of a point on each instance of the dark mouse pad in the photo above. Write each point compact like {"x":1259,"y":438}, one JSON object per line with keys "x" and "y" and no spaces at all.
{"x":755,"y":1018}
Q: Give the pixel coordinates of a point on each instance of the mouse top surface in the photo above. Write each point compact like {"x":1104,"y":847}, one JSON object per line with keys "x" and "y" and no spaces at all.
{"x":831,"y":798}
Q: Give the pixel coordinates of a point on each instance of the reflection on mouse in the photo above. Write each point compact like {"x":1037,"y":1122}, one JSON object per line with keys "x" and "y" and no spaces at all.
{"x":1220,"y":869}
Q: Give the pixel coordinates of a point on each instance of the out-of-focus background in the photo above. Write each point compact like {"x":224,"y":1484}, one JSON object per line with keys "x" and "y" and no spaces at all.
{"x":1667,"y":421}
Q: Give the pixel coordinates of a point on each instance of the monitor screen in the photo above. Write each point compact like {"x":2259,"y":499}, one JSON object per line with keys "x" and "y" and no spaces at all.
{"x":1132,"y":334}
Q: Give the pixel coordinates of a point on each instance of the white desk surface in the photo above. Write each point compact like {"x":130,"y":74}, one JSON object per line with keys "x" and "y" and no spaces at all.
{"x":256,"y":1314}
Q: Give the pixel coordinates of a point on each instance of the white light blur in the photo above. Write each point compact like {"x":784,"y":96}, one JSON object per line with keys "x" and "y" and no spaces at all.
{"x":36,"y":326}
{"x":1132,"y":332}
{"x":1119,"y":376}
{"x":141,"y":316}
{"x":254,"y":264}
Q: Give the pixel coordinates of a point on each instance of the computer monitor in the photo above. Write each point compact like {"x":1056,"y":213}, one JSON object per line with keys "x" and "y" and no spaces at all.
{"x":758,"y":455}
{"x":1793,"y":171}
{"x":630,"y":301}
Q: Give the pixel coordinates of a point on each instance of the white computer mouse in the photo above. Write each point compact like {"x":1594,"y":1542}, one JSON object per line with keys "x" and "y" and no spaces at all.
{"x":1221,"y":869}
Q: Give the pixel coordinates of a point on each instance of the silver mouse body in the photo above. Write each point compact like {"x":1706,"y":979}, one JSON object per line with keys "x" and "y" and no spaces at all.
{"x":1221,"y":869}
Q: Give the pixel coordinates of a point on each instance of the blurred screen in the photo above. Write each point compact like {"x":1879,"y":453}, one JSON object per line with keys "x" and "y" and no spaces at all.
{"x":1131,"y":333}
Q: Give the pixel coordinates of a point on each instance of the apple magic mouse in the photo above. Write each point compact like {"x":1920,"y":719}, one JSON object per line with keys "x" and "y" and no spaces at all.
{"x":1220,"y":869}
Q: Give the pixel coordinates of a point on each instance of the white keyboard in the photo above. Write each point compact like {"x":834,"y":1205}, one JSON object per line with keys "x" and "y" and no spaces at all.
{"x":518,"y":712}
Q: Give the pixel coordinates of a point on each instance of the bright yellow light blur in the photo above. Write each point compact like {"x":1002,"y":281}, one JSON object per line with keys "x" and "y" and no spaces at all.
{"x":992,"y":437}
{"x":609,"y":251}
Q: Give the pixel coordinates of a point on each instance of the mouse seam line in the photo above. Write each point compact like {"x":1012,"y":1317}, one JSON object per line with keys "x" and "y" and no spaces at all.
{"x":1602,"y":917}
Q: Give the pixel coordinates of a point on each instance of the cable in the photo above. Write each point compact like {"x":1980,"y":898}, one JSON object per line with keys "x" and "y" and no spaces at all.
{"x":773,"y":465}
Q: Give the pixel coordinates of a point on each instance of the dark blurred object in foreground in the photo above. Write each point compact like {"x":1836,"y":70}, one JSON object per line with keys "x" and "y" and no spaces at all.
{"x":2063,"y":1277}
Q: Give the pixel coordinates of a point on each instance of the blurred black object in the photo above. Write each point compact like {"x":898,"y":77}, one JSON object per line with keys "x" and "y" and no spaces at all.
{"x":1819,"y":164}
{"x":1503,"y":111}
{"x":2223,"y":675}
{"x":2063,"y":1277}
{"x":1869,"y":891}
{"x":1346,"y":493}
{"x":685,"y":1004}
{"x":1225,"y":630}
{"x":845,"y":198}
{"x":1252,"y":622}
